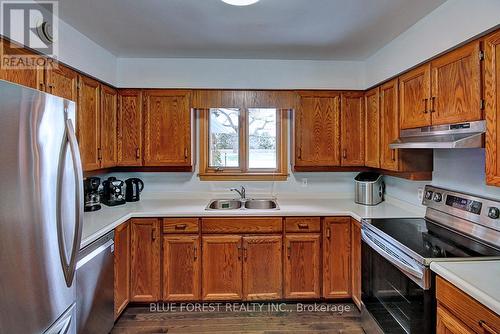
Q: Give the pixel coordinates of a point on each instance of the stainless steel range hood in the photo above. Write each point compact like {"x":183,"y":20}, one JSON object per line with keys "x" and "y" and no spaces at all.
{"x":461,"y":135}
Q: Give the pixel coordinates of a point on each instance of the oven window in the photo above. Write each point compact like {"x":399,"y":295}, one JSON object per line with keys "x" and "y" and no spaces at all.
{"x":396,"y":303}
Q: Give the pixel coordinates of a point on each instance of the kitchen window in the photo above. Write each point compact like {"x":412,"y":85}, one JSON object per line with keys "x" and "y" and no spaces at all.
{"x":243,"y":144}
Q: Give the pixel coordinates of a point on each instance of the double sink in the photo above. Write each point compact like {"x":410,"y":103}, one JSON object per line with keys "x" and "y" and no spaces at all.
{"x":242,"y":204}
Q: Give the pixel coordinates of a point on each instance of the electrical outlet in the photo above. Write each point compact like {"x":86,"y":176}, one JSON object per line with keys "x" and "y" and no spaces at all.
{"x":304,"y":182}
{"x":420,"y":194}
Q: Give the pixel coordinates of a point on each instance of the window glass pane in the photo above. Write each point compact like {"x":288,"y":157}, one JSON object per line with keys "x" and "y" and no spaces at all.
{"x":262,"y":138}
{"x":224,"y":138}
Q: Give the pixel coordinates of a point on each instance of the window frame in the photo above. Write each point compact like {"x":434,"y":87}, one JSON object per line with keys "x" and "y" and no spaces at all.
{"x":243,"y":172}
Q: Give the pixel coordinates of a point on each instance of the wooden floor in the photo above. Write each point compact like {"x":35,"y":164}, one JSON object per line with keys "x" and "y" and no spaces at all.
{"x":139,"y":319}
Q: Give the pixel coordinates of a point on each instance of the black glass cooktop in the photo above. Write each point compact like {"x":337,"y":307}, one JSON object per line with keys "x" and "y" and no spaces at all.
{"x":431,"y":240}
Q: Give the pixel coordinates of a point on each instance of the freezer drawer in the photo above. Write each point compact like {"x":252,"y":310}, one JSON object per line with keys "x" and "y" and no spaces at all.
{"x":94,"y":285}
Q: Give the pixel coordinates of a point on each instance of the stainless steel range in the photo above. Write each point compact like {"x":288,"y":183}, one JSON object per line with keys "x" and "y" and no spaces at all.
{"x":398,"y":291}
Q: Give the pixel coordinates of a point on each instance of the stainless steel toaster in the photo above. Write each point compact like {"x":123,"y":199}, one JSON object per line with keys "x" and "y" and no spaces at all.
{"x":369,"y":188}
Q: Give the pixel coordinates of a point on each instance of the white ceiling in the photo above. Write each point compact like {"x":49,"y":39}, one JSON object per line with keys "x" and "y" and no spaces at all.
{"x":270,"y":29}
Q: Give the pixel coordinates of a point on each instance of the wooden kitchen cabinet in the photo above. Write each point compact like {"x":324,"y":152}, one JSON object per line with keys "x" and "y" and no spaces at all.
{"x":337,"y":257}
{"x":302,"y":266}
{"x":447,"y":323}
{"x":145,"y":260}
{"x":89,"y":123}
{"x":352,"y":126}
{"x":222,"y":267}
{"x":29,"y":77}
{"x":415,"y":97}
{"x":168,"y":128}
{"x":456,"y":86}
{"x":122,"y":268}
{"x":109,"y":101}
{"x":62,"y":81}
{"x":492,"y":107}
{"x":372,"y":128}
{"x":262,"y":267}
{"x":181,"y":267}
{"x":389,"y":125}
{"x":356,"y":262}
{"x":129,"y":127}
{"x":317,"y":130}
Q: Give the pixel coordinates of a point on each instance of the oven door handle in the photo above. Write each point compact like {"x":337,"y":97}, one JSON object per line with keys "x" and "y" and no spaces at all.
{"x":392,"y":259}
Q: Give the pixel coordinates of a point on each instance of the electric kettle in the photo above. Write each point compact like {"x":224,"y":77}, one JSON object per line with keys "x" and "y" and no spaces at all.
{"x":133,"y":189}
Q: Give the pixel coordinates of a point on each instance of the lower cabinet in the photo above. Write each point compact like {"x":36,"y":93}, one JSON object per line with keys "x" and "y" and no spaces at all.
{"x":181,"y":267}
{"x":302,"y":266}
{"x":122,"y":268}
{"x":337,"y":257}
{"x":145,"y":260}
{"x":221,"y":279}
{"x":447,"y":323}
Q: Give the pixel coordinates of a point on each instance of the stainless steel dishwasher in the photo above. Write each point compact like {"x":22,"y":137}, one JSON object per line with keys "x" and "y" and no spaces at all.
{"x":94,"y":285}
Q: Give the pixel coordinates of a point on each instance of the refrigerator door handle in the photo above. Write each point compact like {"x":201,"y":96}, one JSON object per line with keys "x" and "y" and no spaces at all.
{"x":69,"y":267}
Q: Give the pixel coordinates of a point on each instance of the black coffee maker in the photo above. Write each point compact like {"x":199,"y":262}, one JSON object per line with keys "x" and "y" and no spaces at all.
{"x":112,"y":192}
{"x":133,"y":189}
{"x":91,"y":193}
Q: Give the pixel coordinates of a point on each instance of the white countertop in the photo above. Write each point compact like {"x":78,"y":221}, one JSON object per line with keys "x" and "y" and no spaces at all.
{"x":98,"y":223}
{"x":478,"y":279}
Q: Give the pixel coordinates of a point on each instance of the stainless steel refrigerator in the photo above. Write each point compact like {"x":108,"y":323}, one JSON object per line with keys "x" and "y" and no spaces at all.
{"x":41,"y":211}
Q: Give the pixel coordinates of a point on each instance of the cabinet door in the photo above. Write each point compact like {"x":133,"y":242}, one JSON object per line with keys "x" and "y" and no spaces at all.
{"x":109,"y":99}
{"x":372,"y":126}
{"x":221,"y":278}
{"x":89,"y":123}
{"x":337,"y":257}
{"x":122,"y":267}
{"x":145,"y":260}
{"x":352,"y":139}
{"x":389,"y":125}
{"x":415,"y":97}
{"x":262,"y":267}
{"x":130,"y":127}
{"x":317,"y":131}
{"x":167,"y":128}
{"x":62,"y":81}
{"x":447,"y":323}
{"x":456,"y":86}
{"x":356,"y":262}
{"x":302,"y":264}
{"x":29,"y":77}
{"x":492,"y":96}
{"x":181,"y":267}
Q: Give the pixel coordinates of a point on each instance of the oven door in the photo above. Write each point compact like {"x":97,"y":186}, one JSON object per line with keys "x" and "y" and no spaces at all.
{"x":394,"y":299}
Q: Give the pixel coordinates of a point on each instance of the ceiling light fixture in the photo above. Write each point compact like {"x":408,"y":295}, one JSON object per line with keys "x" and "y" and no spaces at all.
{"x":240,"y":2}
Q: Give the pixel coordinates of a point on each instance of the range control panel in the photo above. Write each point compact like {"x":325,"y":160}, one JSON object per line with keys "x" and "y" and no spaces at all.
{"x":484,"y":211}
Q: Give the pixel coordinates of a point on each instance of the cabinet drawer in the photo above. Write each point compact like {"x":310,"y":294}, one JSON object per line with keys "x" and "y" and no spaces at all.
{"x":180,"y":225}
{"x":241,"y":225}
{"x":467,"y":309}
{"x":302,"y":224}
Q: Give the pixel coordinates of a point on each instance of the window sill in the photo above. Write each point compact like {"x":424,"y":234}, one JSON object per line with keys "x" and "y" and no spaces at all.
{"x":243,"y":177}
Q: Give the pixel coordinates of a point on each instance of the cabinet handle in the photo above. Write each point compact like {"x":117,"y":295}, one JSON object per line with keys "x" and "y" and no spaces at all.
{"x":289,"y":252}
{"x":433,"y":101}
{"x":328,"y":233}
{"x":137,"y":153}
{"x":393,"y":155}
{"x":245,"y":253}
{"x":195,"y":251}
{"x":99,"y":154}
{"x":303,"y":225}
{"x":153,"y":234}
{"x":425,"y":106}
{"x":239,"y":251}
{"x":486,"y":327}
{"x":185,"y":153}
{"x":180,"y":226}
{"x":344,"y":154}
{"x":300,"y":153}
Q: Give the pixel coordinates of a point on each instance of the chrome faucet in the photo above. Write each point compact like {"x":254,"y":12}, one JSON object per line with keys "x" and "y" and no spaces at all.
{"x":241,"y":192}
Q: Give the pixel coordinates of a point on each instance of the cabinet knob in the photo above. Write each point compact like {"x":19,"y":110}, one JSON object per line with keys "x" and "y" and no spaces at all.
{"x":180,"y":226}
{"x":303,"y":225}
{"x":328,"y":233}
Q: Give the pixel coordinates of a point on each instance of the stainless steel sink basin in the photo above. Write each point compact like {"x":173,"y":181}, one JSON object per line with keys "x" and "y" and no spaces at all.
{"x":261,"y":204}
{"x":224,"y":204}
{"x":247,"y":204}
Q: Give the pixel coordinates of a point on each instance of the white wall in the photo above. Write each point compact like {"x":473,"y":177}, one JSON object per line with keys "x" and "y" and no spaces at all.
{"x":239,"y":73}
{"x":450,"y":24}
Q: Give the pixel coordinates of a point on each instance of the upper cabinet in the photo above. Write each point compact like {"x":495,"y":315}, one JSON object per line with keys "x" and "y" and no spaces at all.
{"x":389,"y":125}
{"x":492,"y":106}
{"x":317,"y":130}
{"x":352,"y":129}
{"x":62,"y":81}
{"x":109,"y":100}
{"x":414,"y":97}
{"x":130,"y":127}
{"x":372,"y":128}
{"x":30,"y":77}
{"x":456,"y":86}
{"x":89,"y":123}
{"x":168,"y":137}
